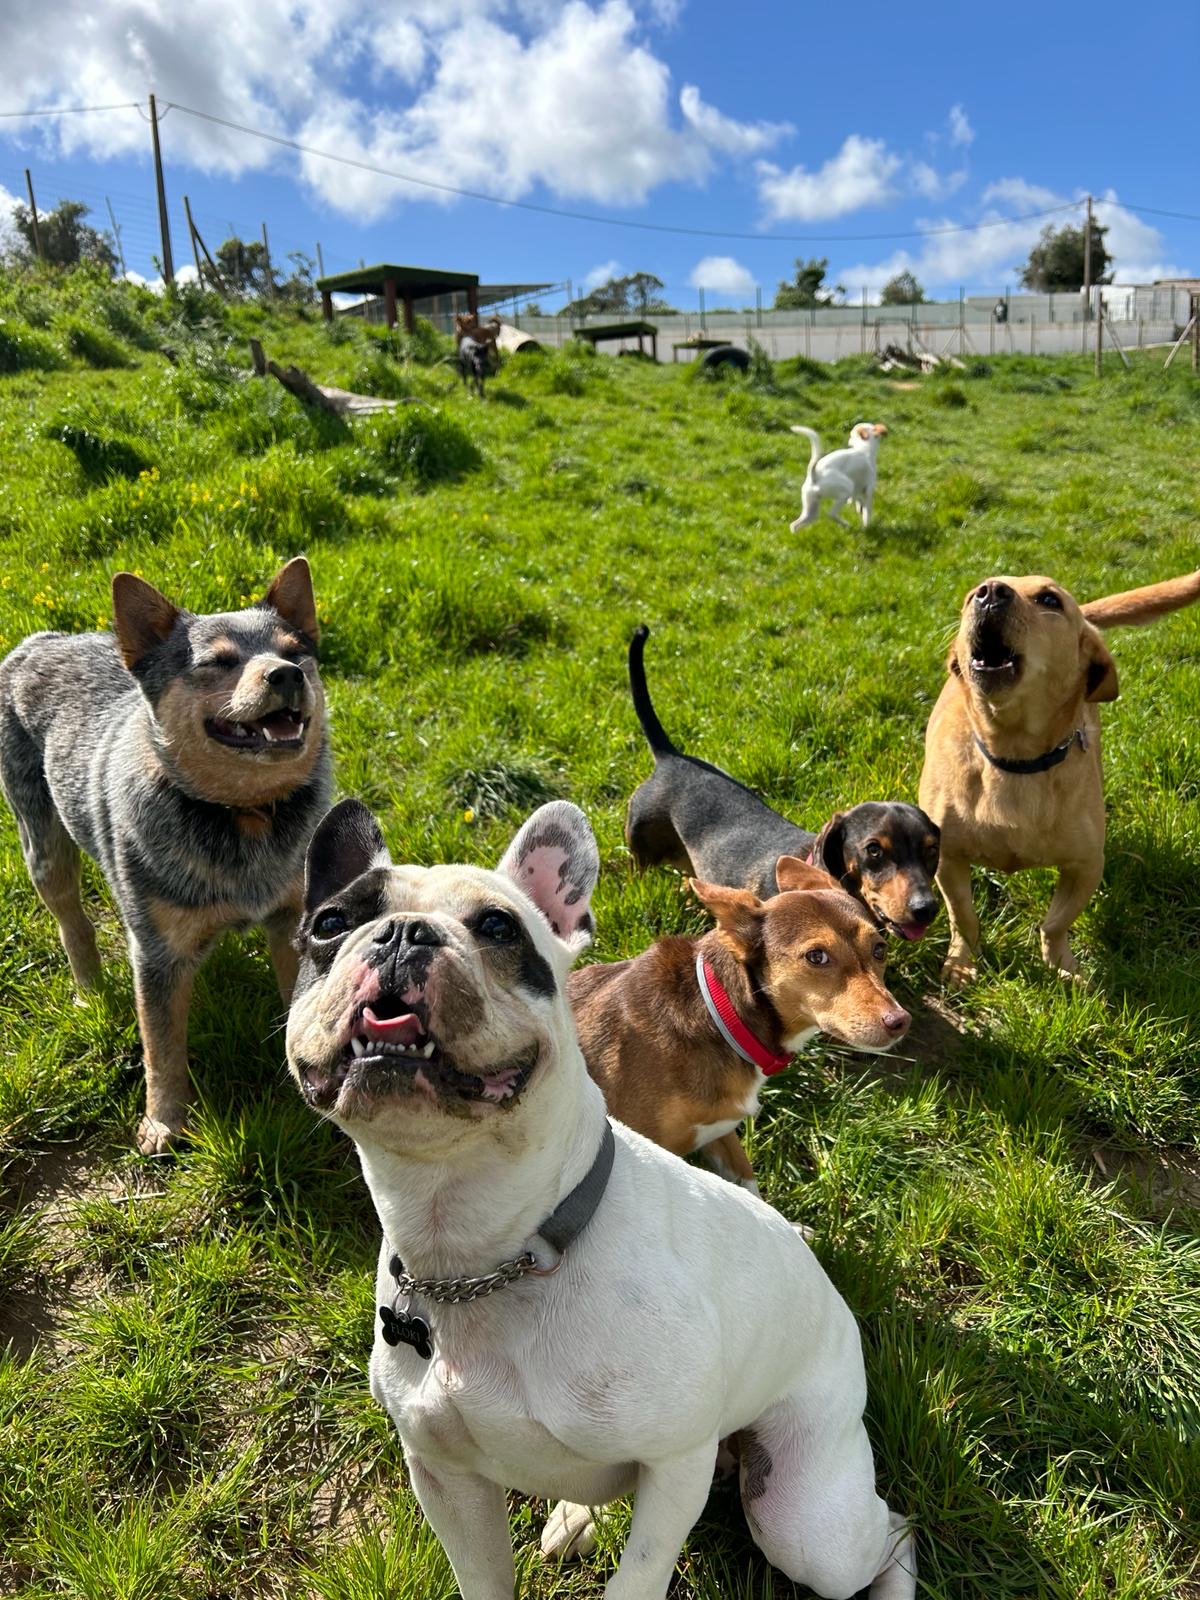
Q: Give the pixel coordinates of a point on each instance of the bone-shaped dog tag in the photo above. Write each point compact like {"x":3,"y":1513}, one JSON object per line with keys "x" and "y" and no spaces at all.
{"x":399,"y":1327}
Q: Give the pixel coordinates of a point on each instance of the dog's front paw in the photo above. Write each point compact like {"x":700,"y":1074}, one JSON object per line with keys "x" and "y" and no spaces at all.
{"x":570,"y":1532}
{"x":157,"y":1136}
{"x":1060,"y":958}
{"x":959,"y":970}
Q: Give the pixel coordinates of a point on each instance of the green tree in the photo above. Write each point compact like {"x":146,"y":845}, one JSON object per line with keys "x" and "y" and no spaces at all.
{"x":633,"y":295}
{"x":66,"y":239}
{"x":1055,"y":263}
{"x":902,"y":290}
{"x":807,"y":288}
{"x":243,"y":264}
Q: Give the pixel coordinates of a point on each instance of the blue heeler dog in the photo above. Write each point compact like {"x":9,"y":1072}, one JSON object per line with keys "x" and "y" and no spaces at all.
{"x":188,"y":756}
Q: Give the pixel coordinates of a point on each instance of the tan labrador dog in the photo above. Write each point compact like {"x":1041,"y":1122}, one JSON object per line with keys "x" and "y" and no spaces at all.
{"x":1012,"y":751}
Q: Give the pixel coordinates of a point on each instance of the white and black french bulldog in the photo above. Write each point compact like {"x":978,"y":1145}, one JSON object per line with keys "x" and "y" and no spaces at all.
{"x":565,"y":1309}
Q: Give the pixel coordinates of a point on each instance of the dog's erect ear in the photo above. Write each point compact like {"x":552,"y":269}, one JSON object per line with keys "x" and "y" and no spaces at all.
{"x":142,"y":617}
{"x":346,"y":843}
{"x":1100,"y":670}
{"x":291,"y":594}
{"x":792,"y":873}
{"x":554,"y":860}
{"x":829,"y":851}
{"x":738,"y":914}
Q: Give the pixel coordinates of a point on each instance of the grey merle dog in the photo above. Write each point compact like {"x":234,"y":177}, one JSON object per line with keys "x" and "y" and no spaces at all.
{"x":188,"y":756}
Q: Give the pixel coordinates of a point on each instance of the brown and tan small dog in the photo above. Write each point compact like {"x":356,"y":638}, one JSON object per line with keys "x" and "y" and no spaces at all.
{"x":684,"y":1070}
{"x":1012,"y":752}
{"x":468,"y":326}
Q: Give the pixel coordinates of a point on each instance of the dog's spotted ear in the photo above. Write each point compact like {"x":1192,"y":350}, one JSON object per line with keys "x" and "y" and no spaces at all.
{"x":347,"y":842}
{"x":1100,"y":670}
{"x":554,"y":860}
{"x":829,"y":851}
{"x":142,"y":618}
{"x":792,"y":873}
{"x":738,"y":915}
{"x":291,"y":594}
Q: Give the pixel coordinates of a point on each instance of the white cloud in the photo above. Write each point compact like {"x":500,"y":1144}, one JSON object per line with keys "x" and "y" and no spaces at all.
{"x":480,"y":94}
{"x":184,"y":274}
{"x":861,"y":174}
{"x":961,"y":131}
{"x":8,"y":232}
{"x":724,"y":133}
{"x":604,"y":273}
{"x":722,"y":273}
{"x":984,"y":259}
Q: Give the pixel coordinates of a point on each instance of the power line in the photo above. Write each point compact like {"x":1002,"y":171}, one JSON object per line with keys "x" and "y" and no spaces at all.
{"x":72,"y":111}
{"x":609,"y":222}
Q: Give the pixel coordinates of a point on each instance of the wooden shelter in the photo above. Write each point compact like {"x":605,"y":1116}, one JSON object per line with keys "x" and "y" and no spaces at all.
{"x":622,"y":330}
{"x":408,"y":284}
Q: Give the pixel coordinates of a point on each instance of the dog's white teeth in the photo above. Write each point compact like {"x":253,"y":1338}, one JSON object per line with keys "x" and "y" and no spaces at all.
{"x":428,"y":1050}
{"x":358,"y":1045}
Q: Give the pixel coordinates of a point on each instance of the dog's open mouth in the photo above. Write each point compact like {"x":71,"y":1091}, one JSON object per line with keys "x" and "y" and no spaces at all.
{"x":390,"y":1051}
{"x":993,"y":661}
{"x":278,"y":730}
{"x":908,"y":930}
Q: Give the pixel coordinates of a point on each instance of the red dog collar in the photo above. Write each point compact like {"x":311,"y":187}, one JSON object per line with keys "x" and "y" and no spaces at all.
{"x":730,"y":1026}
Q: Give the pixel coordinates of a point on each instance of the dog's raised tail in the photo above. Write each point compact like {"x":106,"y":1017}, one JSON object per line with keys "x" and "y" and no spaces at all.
{"x":814,"y":443}
{"x":656,"y":736}
{"x":1143,"y":605}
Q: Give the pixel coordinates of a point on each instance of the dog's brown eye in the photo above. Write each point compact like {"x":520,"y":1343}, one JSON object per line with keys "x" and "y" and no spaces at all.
{"x":330,"y":925}
{"x":1050,"y":600}
{"x":880,"y":951}
{"x":224,"y":661}
{"x":874,"y":851}
{"x":497,"y":927}
{"x":817,"y":958}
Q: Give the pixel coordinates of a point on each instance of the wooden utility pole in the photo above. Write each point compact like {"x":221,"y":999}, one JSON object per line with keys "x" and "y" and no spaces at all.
{"x":270,"y":285}
{"x":117,"y":236}
{"x":1087,"y":262}
{"x":37,"y":237}
{"x":320,"y":261}
{"x":187,"y":211}
{"x":168,"y":264}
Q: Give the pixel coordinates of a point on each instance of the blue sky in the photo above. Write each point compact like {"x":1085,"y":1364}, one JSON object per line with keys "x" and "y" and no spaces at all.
{"x":769,"y":122}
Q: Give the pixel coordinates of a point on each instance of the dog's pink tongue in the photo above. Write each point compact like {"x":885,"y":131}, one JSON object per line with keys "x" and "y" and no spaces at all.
{"x":913,"y":930}
{"x":396,"y":1030}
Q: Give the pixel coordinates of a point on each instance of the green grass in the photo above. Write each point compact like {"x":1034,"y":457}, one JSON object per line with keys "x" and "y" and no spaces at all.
{"x":1011,"y":1208}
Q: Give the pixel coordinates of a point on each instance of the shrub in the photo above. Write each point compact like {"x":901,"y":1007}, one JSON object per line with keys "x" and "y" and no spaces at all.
{"x":91,"y":345}
{"x":21,"y":350}
{"x":949,"y":395}
{"x":100,"y":458}
{"x":419,"y":442}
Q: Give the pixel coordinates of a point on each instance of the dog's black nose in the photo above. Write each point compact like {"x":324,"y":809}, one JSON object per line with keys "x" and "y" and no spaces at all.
{"x":993,"y":596}
{"x":923,"y":910}
{"x":287,"y":681}
{"x":407,"y":931}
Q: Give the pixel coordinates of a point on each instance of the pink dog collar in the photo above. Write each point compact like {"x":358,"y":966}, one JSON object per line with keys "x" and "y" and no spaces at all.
{"x":730,"y":1026}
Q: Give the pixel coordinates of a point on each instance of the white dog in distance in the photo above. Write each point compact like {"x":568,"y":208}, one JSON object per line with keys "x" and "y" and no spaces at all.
{"x":842,"y":475}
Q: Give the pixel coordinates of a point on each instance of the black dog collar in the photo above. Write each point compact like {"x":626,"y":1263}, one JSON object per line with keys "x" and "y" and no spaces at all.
{"x":1052,"y":758}
{"x":560,"y":1229}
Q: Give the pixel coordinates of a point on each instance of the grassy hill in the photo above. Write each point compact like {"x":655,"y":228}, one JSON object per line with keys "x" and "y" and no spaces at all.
{"x":1010,"y":1206}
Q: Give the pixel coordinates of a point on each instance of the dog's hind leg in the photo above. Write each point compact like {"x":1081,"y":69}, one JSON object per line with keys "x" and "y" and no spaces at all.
{"x":811,"y":504}
{"x":469,"y":1514}
{"x":51,"y":855}
{"x":811,"y":1505}
{"x":1076,"y":886}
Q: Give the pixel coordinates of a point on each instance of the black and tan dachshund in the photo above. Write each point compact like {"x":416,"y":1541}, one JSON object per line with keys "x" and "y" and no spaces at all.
{"x":694,"y":816}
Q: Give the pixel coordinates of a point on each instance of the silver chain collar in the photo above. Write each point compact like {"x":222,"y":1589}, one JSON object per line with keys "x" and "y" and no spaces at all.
{"x":457,"y":1291}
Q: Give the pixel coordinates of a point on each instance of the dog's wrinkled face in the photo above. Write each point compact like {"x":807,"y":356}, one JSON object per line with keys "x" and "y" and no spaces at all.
{"x":1025,"y":639}
{"x":886,"y":855}
{"x":435,"y":992}
{"x":818,"y":958}
{"x":237,"y":696}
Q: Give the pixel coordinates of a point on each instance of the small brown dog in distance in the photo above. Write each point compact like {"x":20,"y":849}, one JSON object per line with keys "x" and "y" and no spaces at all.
{"x":1012,"y":752}
{"x":683,"y":1037}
